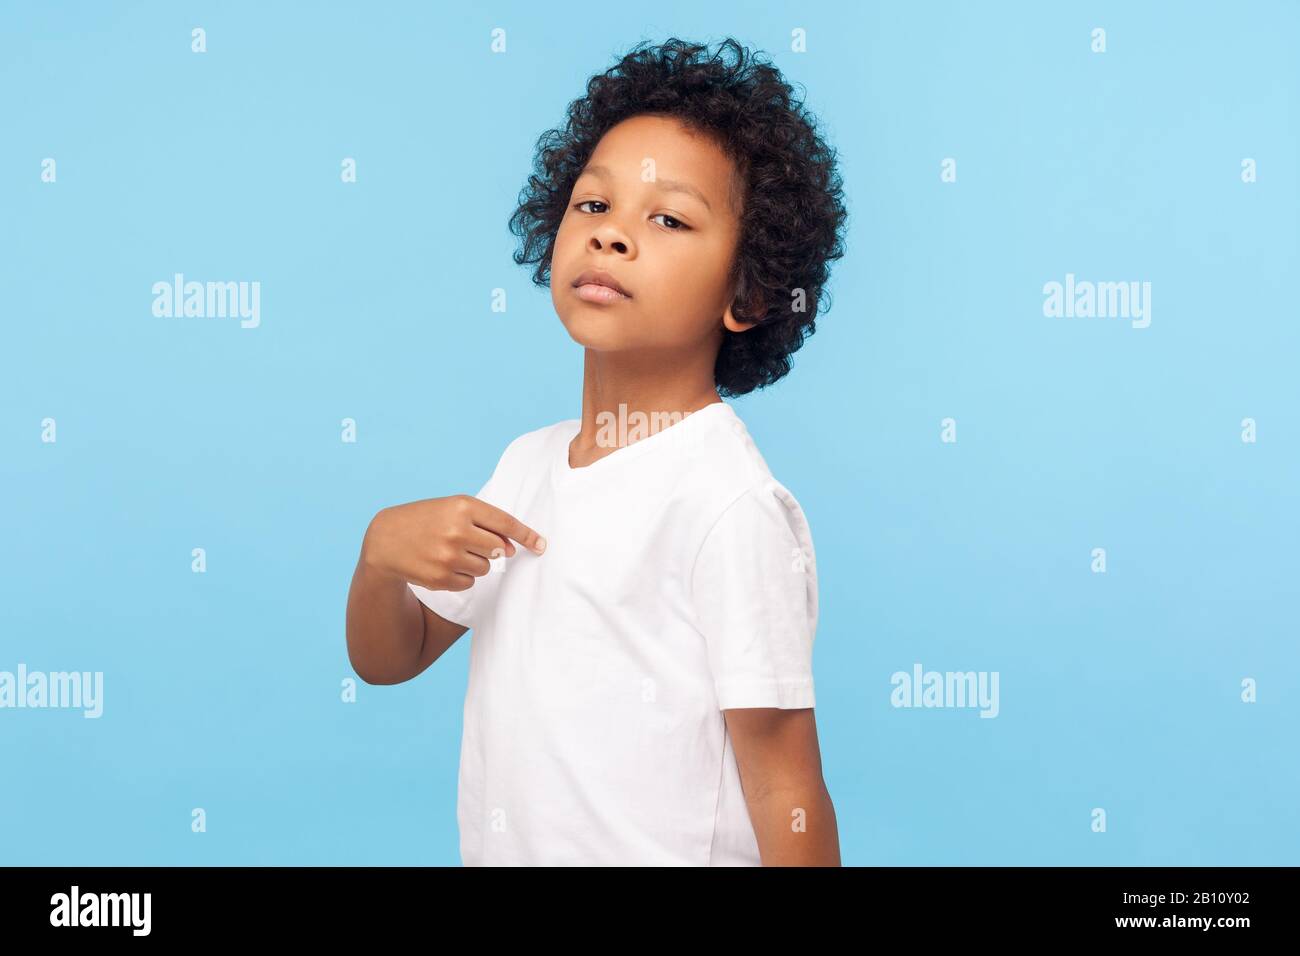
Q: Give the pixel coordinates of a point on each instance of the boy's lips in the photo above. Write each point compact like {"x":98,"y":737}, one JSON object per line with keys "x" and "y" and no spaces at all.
{"x":597,"y":285}
{"x":603,"y":294}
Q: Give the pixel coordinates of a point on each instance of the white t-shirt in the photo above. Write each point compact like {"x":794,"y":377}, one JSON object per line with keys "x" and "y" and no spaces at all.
{"x":678,"y":581}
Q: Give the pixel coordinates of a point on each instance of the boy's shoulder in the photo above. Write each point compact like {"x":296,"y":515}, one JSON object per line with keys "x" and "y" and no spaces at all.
{"x":726,"y":468}
{"x":535,"y":441}
{"x":722,"y":454}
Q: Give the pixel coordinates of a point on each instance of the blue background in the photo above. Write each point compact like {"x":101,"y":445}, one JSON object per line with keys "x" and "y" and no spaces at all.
{"x":222,"y":690}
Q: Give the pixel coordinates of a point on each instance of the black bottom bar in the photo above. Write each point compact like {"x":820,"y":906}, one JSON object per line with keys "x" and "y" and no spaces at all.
{"x":239,"y":904}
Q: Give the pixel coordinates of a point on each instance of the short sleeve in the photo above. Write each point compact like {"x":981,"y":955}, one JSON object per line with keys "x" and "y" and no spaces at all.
{"x":459,"y":607}
{"x":754,"y":592}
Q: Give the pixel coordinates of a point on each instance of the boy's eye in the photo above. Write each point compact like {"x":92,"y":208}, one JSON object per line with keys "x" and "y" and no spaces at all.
{"x":678,"y":227}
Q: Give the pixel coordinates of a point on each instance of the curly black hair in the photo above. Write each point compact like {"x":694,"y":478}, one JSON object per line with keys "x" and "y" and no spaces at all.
{"x":793,"y":213}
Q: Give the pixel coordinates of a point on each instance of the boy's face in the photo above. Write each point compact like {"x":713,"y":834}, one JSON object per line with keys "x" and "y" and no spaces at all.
{"x":654,"y":209}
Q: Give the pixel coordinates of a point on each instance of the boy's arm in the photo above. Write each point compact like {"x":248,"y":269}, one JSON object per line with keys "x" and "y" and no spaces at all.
{"x":781,"y":773}
{"x":442,"y":544}
{"x":392,"y":636}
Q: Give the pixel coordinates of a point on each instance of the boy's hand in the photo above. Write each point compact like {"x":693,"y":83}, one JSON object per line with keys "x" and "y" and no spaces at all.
{"x":443,"y":544}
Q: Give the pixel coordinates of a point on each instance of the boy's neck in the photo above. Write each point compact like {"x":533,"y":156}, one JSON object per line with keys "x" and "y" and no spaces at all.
{"x":663,"y":388}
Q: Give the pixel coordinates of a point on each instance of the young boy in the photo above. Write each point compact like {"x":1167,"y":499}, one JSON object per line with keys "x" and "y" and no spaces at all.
{"x":640,"y":687}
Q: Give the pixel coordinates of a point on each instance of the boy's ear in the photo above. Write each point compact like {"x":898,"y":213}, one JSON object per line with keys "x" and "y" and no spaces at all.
{"x":734,"y":324}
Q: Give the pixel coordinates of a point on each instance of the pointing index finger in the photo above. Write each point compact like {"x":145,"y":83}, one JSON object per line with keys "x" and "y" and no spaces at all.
{"x":491,"y":518}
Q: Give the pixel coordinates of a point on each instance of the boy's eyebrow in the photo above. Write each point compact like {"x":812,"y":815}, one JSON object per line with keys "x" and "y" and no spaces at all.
{"x":666,"y":185}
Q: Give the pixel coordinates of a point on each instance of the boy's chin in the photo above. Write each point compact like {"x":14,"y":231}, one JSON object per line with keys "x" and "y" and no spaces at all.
{"x":602,"y":332}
